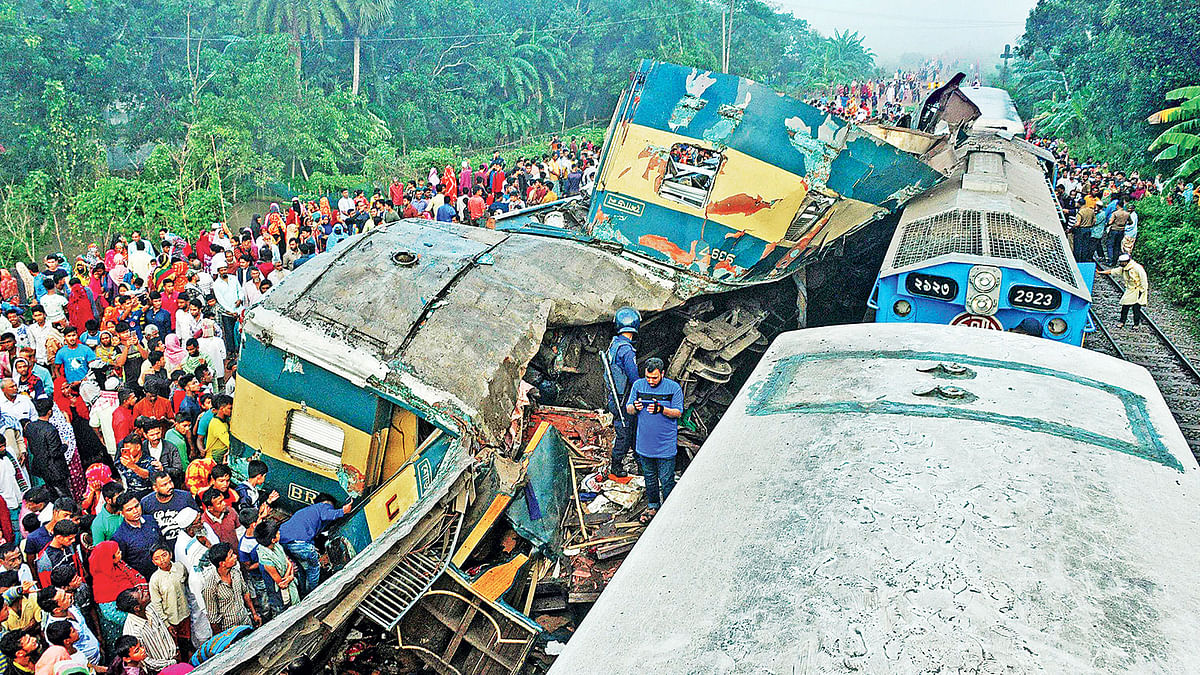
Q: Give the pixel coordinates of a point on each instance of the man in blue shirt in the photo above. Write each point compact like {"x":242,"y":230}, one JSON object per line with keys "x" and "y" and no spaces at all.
{"x":155,"y":314}
{"x":658,"y":404}
{"x":298,"y":532}
{"x":446,"y":213}
{"x":73,"y":358}
{"x":136,"y":536}
{"x":165,"y":503}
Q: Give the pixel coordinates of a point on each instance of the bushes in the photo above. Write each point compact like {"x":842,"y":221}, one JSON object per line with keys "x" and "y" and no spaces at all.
{"x":1169,"y":247}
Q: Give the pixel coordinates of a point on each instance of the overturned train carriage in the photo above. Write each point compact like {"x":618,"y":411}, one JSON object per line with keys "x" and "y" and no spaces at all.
{"x":727,"y":179}
{"x":908,"y":498}
{"x":388,"y":369}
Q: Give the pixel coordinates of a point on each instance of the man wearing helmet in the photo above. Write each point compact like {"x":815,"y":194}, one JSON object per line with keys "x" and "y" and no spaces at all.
{"x":620,"y":372}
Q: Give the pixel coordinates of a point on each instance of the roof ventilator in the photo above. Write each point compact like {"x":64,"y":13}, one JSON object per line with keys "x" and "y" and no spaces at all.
{"x":405,"y":258}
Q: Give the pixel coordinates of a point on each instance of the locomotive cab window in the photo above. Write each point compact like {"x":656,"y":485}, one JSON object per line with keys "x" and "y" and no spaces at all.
{"x":691,"y":171}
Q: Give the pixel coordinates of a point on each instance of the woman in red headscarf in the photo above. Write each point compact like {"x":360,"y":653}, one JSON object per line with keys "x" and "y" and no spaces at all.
{"x":79,"y":306}
{"x":110,"y":576}
{"x":449,"y":184}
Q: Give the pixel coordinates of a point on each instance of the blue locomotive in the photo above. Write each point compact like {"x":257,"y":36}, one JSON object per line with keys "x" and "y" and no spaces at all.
{"x":986,"y":248}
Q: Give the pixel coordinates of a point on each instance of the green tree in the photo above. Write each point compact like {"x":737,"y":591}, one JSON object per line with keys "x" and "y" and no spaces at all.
{"x":301,"y":19}
{"x":1180,"y":142}
{"x":362,"y":18}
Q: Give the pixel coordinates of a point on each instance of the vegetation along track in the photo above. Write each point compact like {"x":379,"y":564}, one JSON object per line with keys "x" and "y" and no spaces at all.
{"x":1164,"y":346}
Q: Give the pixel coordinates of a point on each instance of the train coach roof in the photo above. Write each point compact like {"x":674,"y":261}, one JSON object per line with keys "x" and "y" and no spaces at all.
{"x":837,"y":521}
{"x":445,"y":312}
{"x":1002,"y":209}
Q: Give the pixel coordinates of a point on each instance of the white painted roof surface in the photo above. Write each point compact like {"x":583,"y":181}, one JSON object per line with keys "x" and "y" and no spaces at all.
{"x":996,"y":109}
{"x":1039,"y":528}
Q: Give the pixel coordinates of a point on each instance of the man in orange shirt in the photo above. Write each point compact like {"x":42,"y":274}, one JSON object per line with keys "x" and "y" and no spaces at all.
{"x":157,"y":402}
{"x":475,"y":207}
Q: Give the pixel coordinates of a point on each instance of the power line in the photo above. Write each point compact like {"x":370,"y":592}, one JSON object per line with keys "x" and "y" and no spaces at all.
{"x":462,"y":36}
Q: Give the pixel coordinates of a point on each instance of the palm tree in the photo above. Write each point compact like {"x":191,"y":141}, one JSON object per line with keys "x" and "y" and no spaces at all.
{"x":844,"y":57}
{"x":299,"y":18}
{"x":1181,"y":141}
{"x":363,"y":17}
{"x":1057,"y":110}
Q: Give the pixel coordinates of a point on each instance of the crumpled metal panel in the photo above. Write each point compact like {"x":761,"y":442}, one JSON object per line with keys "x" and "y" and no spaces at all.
{"x":784,"y":166}
{"x":467,"y":315}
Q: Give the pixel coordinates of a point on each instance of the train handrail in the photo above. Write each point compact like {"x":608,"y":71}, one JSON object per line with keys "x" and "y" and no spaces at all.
{"x":873,"y":298}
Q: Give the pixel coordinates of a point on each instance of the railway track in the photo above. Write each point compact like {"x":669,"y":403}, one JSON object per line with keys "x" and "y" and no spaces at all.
{"x":1161,"y":346}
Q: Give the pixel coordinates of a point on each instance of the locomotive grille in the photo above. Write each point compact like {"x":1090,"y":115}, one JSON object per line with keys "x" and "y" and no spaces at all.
{"x":953,"y":232}
{"x":1011,"y":237}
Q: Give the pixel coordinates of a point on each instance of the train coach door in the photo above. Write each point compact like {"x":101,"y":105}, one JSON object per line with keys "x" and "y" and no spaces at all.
{"x":394,"y":442}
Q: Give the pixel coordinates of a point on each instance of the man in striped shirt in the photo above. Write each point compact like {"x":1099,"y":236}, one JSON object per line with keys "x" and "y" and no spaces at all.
{"x":147,"y":625}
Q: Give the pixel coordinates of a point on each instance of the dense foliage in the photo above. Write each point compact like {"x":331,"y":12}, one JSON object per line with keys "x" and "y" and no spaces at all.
{"x":1094,"y":70}
{"x":1169,"y":247}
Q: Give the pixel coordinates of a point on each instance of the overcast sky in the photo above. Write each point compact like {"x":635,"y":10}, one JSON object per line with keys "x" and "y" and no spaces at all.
{"x":961,"y":28}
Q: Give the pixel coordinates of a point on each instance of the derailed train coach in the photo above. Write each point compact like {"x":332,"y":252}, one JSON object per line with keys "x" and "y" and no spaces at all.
{"x":388,"y":370}
{"x":725,"y":178}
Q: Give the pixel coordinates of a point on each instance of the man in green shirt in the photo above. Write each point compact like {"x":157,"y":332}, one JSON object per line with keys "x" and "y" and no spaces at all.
{"x":177,"y":435}
{"x":108,"y":517}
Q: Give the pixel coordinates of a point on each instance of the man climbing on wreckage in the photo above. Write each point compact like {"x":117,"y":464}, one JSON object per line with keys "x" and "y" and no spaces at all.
{"x":620,"y":372}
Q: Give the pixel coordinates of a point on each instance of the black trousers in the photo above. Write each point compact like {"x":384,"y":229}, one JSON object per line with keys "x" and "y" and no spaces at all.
{"x":1137,"y":314}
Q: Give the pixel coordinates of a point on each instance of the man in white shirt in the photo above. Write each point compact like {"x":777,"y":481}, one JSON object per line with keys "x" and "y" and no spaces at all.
{"x":38,"y":331}
{"x":346,"y":204}
{"x":231,"y":301}
{"x":16,"y":405}
{"x":191,"y":549}
{"x":54,"y":303}
{"x":187,"y":321}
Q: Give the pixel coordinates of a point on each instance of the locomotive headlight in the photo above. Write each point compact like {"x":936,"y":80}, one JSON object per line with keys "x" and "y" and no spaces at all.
{"x":902,"y":308}
{"x":982,"y":304}
{"x":984,"y":281}
{"x":1057,"y":326}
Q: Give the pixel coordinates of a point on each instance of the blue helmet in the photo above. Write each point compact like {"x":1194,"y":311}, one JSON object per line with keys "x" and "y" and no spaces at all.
{"x":627,"y":320}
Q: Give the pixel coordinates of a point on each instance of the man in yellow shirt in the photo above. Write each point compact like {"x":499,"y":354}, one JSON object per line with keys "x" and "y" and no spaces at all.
{"x":216,"y":443}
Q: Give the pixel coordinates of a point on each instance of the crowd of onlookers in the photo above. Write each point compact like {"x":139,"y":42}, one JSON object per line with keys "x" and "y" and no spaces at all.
{"x":877,"y":99}
{"x":461,"y":194}
{"x":126,"y":542}
{"x":1099,"y":203}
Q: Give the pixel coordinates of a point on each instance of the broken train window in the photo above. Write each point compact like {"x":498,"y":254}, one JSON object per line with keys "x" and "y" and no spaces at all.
{"x":313,"y":440}
{"x":814,"y":207}
{"x":691,"y":171}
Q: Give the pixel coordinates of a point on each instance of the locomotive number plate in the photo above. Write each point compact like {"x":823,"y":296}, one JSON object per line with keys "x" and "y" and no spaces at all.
{"x":931,"y":286}
{"x":1035,"y":297}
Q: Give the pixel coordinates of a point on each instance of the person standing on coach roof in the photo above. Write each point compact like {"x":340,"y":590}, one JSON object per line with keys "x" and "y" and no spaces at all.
{"x":620,"y":372}
{"x":658,"y":404}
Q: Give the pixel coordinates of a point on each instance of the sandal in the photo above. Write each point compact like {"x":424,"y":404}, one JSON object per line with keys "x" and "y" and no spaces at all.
{"x":647,"y":516}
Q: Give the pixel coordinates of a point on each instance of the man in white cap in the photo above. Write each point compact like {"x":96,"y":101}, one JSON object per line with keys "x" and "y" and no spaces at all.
{"x":1137,"y":288}
{"x":191,"y":550}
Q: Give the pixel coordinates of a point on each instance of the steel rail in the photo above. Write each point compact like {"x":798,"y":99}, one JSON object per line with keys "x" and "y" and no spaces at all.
{"x":1182,"y":358}
{"x":1108,"y":336}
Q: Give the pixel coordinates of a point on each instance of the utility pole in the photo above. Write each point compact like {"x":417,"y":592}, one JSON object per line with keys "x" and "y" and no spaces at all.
{"x":728,"y":33}
{"x":1008,"y":54}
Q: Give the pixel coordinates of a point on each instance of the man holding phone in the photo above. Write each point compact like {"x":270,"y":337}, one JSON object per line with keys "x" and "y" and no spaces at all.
{"x":658,"y":404}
